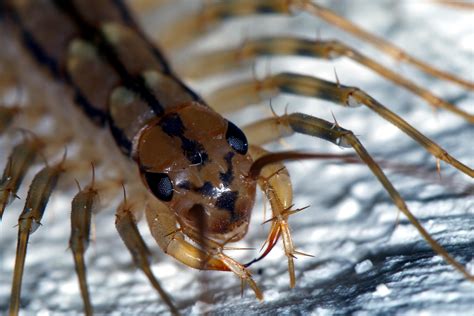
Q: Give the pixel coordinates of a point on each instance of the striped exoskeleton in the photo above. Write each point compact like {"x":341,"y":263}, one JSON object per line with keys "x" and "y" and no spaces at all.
{"x":198,"y":166}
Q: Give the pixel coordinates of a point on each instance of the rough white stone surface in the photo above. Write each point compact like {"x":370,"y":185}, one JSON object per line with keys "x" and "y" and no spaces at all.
{"x":351,"y":221}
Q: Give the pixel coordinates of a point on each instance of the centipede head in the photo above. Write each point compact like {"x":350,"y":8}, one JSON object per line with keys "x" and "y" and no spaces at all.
{"x":197,"y":163}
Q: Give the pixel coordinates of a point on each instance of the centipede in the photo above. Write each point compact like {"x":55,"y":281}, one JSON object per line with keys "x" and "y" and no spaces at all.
{"x":235,"y":157}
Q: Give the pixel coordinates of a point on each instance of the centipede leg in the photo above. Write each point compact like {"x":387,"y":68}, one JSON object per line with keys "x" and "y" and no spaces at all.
{"x":38,"y":195}
{"x":125,"y":223}
{"x":210,"y":63}
{"x":251,"y":92}
{"x":384,"y":46}
{"x":275,"y":182}
{"x":22,"y":157}
{"x":215,"y":12}
{"x":312,"y":126}
{"x":82,"y":207}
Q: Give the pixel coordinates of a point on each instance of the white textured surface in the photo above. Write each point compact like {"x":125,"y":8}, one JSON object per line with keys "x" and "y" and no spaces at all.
{"x":362,"y":264}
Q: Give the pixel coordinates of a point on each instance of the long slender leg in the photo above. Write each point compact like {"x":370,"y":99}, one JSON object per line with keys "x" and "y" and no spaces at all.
{"x":125,"y":223}
{"x":213,"y":62}
{"x":38,"y":195}
{"x":82,"y":207}
{"x":20,"y":160}
{"x":192,"y":26}
{"x":312,"y":126}
{"x":386,"y":47}
{"x":171,"y":239}
{"x":251,"y":92}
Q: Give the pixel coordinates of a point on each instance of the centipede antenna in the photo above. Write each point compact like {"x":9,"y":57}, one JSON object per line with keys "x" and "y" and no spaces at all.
{"x":261,"y":162}
{"x":202,"y":173}
{"x":275,"y":173}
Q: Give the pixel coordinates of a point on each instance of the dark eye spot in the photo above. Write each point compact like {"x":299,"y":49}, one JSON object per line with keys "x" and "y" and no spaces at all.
{"x":236,"y":138}
{"x":160,"y":184}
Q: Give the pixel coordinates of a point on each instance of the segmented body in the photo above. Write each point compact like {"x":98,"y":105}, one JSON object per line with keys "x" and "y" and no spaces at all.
{"x":132,"y":128}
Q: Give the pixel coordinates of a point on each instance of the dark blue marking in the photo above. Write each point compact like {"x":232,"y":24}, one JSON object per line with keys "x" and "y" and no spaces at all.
{"x":228,"y":176}
{"x":226,"y":201}
{"x":193,"y":150}
{"x":207,"y":189}
{"x":172,"y":125}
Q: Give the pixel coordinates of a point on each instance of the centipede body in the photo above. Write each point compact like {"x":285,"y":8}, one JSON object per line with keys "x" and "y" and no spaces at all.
{"x":460,"y":204}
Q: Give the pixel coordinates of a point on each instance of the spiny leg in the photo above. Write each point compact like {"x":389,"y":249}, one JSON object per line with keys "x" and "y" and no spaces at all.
{"x":125,"y":223}
{"x":206,"y":64}
{"x":255,"y":91}
{"x":20,"y":160}
{"x":171,"y":239}
{"x":38,"y":195}
{"x":384,"y":46}
{"x":82,"y":207}
{"x":212,"y":13}
{"x":312,"y":126}
{"x":275,"y":182}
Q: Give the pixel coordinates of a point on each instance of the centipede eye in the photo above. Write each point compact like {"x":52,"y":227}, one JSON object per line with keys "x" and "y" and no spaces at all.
{"x":160,"y":184}
{"x":236,"y":138}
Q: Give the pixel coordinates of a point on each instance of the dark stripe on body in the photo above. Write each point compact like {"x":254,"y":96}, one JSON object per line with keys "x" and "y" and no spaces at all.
{"x":193,"y":150}
{"x":40,"y":54}
{"x":226,"y":201}
{"x":94,"y":35}
{"x":35,"y":48}
{"x":97,"y":116}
